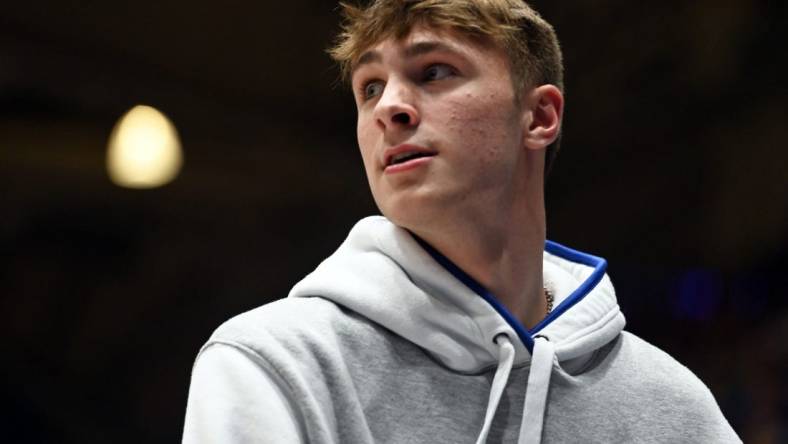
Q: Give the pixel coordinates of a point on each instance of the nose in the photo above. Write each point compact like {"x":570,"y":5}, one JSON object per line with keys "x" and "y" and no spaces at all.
{"x":396,"y":109}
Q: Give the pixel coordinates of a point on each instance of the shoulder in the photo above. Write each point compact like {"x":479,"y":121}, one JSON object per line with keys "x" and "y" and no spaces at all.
{"x":296,"y":328}
{"x":672,"y":389}
{"x":232,"y":397}
{"x":286,"y":316}
{"x":655,"y":365}
{"x":245,"y":379}
{"x":661,"y":371}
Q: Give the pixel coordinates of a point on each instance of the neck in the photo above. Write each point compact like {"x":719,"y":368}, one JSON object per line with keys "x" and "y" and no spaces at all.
{"x":502,"y":250}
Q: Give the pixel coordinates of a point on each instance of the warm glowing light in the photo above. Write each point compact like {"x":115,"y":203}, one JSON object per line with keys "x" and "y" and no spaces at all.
{"x":144,"y":150}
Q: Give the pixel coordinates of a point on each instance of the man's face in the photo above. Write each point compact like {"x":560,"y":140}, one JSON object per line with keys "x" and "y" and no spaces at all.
{"x":438,"y":126}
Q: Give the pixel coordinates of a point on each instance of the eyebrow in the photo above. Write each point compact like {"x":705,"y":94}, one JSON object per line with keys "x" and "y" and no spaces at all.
{"x":411,"y":51}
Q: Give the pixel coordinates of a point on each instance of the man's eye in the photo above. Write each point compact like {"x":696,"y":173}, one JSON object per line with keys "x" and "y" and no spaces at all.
{"x":372,"y":89}
{"x":438,"y":72}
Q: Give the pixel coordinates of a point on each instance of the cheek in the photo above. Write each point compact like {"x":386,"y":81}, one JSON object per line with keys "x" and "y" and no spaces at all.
{"x":362,"y":136}
{"x":483,"y":124}
{"x":366,"y":144}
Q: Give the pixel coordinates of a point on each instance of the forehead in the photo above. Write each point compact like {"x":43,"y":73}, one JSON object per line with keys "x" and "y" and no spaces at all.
{"x":419,"y":40}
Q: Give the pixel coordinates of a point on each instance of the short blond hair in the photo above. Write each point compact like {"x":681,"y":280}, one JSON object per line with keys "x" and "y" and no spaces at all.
{"x":529,"y":41}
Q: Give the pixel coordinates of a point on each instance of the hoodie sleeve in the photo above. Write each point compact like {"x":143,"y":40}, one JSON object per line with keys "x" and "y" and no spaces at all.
{"x":234,"y":398}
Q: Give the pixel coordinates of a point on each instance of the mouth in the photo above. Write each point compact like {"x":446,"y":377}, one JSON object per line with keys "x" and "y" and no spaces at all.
{"x":406,"y":153}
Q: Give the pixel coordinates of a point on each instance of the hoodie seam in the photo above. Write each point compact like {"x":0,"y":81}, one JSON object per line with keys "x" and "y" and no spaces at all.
{"x":260,"y":360}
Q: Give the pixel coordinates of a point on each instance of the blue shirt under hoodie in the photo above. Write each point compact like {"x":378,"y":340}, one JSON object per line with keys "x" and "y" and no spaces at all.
{"x":387,"y":341}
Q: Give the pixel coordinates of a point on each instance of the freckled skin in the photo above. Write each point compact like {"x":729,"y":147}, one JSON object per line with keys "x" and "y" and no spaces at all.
{"x":472,"y":120}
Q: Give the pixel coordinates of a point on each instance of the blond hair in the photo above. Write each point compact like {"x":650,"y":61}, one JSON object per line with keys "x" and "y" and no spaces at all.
{"x":529,"y":41}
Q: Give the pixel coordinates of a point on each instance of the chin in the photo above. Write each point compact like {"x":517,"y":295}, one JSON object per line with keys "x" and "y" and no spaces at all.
{"x":415,"y":212}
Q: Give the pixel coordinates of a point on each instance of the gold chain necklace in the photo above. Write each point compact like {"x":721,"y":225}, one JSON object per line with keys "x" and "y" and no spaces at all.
{"x":550,"y":299}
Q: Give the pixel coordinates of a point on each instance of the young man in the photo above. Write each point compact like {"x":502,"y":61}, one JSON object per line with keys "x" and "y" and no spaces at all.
{"x":450,"y":319}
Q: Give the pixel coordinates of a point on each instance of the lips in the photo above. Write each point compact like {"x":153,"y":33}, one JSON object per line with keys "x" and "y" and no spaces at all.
{"x":401,"y":154}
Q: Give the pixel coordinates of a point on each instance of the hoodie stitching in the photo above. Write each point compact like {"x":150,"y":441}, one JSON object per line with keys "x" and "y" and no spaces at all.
{"x":279,"y":379}
{"x":599,"y":324}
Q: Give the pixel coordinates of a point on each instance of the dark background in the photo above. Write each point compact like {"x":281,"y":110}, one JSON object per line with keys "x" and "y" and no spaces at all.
{"x":673,"y":168}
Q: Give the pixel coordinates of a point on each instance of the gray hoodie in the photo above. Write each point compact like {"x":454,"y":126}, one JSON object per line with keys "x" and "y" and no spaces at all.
{"x":387,"y":341}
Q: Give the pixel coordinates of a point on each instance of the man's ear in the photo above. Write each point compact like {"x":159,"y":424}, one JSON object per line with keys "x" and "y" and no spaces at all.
{"x":543,"y":111}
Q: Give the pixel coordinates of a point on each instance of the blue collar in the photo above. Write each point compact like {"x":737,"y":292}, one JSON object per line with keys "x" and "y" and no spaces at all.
{"x":527,"y":336}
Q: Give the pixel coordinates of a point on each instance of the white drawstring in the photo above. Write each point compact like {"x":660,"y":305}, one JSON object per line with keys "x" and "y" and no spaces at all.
{"x":505,"y":362}
{"x":535,"y":394}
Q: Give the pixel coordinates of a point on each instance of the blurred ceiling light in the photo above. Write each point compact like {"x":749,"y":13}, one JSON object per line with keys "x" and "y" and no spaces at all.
{"x":144,"y":150}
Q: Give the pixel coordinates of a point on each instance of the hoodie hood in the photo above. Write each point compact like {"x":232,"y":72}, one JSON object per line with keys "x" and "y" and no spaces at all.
{"x":385,"y":274}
